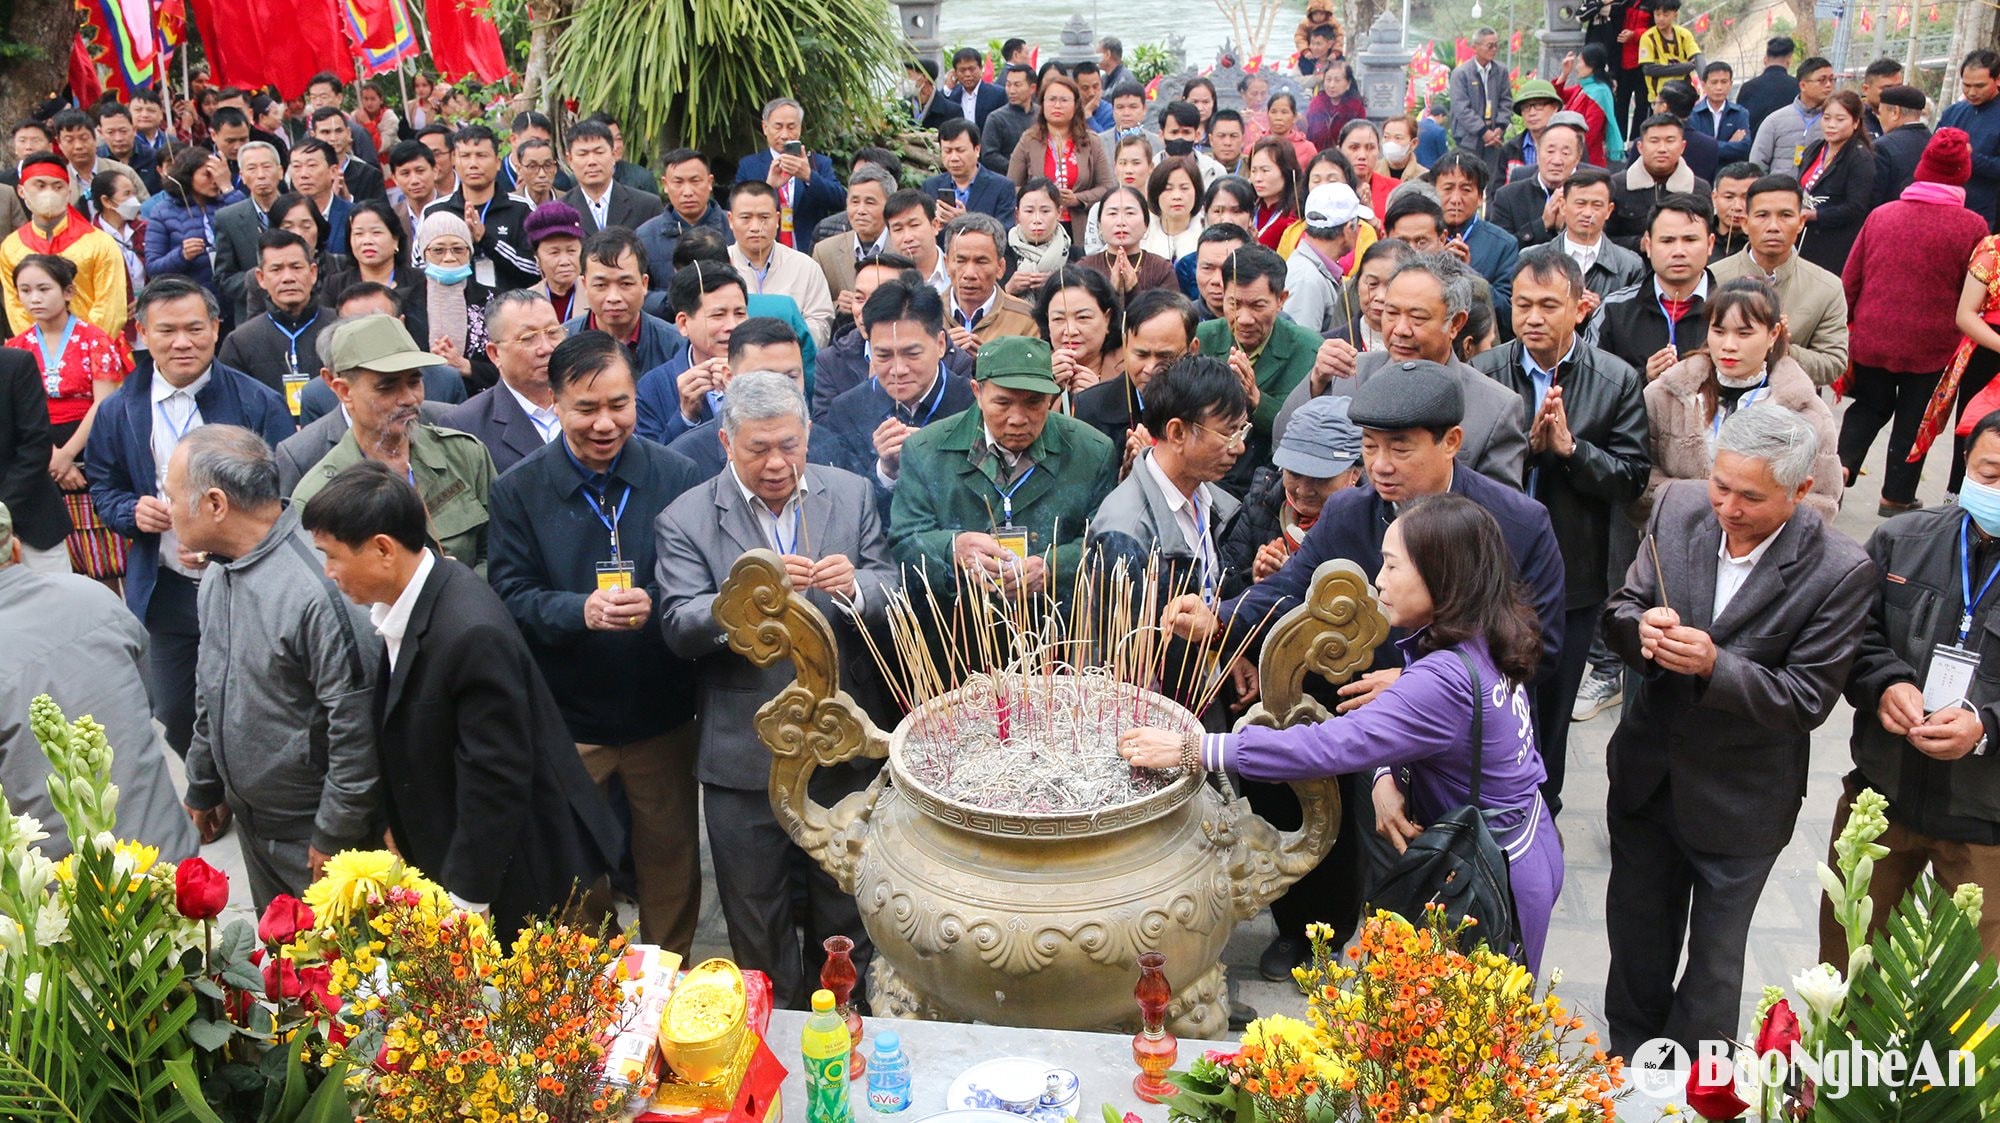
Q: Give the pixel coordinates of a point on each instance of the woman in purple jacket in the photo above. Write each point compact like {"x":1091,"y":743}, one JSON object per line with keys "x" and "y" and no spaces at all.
{"x":1446,"y":578}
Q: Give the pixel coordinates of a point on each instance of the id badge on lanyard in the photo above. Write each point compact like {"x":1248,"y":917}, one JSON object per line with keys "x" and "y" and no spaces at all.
{"x":1948,"y":681}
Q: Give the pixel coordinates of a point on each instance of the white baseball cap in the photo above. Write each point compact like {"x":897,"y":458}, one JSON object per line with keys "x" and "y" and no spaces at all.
{"x":1332,"y":205}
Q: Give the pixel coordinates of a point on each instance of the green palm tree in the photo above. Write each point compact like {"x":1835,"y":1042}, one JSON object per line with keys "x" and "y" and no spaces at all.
{"x":695,"y":72}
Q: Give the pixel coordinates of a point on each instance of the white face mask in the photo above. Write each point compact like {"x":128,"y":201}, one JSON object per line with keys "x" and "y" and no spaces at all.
{"x":1394,"y":152}
{"x":128,"y":209}
{"x":46,"y":203}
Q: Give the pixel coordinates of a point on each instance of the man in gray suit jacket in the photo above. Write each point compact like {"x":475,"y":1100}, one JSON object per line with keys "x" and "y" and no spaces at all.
{"x":823,"y":522}
{"x":515,"y":416}
{"x":1482,"y":101}
{"x":1426,"y":301}
{"x":1739,"y":638}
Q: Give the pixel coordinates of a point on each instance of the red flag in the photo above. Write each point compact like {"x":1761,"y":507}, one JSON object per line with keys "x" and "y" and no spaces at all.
{"x":1902,"y":18}
{"x":375,"y":20}
{"x":1728,"y":22}
{"x":1701,"y":24}
{"x":1867,"y":20}
{"x":1461,"y":50}
{"x":464,"y":41}
{"x":1514,"y":44}
{"x":1932,"y":15}
{"x":83,"y":73}
{"x":1768,"y":17}
{"x":252,"y":43}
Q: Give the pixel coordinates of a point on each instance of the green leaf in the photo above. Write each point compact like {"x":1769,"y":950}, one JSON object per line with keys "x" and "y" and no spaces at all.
{"x":329,"y":1104}
{"x":181,"y":1069}
{"x":208,"y":1035}
{"x":203,"y":985}
{"x":242,"y":976}
{"x":237,"y":941}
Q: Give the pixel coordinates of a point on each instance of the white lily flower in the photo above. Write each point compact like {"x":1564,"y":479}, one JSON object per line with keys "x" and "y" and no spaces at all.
{"x":1822,"y":988}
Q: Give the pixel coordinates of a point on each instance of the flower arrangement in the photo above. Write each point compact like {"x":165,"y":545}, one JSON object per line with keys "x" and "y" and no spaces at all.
{"x":119,"y":1000}
{"x":1414,"y":1026}
{"x":1920,"y":991}
{"x":439,"y":1020}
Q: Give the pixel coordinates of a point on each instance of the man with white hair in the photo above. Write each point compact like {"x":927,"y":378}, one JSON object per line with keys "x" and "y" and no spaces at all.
{"x":805,"y":183}
{"x":284,"y":735}
{"x":823,"y":524}
{"x":70,"y":638}
{"x":1741,"y":619}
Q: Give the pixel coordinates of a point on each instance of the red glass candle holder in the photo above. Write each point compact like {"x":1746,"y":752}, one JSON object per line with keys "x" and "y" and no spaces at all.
{"x":1153,"y":1048}
{"x":838,"y":975}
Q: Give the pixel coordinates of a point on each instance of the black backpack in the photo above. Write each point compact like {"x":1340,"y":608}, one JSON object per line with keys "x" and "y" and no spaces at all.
{"x":1456,"y":862}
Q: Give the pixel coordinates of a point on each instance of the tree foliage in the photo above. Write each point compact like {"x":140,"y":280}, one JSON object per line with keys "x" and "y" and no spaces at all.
{"x":693,"y":72}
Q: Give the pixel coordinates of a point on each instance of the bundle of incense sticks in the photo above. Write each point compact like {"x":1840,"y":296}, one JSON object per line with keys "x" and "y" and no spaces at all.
{"x":1039,"y":686}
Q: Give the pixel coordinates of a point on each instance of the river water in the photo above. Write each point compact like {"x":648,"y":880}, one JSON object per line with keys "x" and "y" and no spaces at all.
{"x":975,"y":22}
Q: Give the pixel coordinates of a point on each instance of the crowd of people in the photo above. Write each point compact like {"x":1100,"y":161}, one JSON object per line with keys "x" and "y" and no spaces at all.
{"x":419,"y":454}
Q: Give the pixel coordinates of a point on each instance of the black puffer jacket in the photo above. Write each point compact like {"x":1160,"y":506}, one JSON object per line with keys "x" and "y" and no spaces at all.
{"x":1255,"y":523}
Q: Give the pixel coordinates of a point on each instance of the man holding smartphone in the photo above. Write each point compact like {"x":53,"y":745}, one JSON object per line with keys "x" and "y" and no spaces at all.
{"x":965,"y":184}
{"x":808,"y":190}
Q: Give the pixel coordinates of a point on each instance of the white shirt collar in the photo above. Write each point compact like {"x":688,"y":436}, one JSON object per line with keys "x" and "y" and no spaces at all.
{"x":1573,"y":247}
{"x":992,"y":299}
{"x":1700,"y":287}
{"x":546,"y":423}
{"x":162,"y":389}
{"x":392,"y":621}
{"x":1756,"y":554}
{"x":757,"y":505}
{"x":941,"y":280}
{"x":1175,"y":500}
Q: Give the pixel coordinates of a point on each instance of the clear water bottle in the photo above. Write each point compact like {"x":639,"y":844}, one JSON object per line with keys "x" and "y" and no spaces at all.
{"x":888,"y":1074}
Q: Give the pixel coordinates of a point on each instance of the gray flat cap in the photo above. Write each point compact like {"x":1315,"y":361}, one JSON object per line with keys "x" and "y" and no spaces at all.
{"x":1418,"y":394}
{"x":1320,"y":441}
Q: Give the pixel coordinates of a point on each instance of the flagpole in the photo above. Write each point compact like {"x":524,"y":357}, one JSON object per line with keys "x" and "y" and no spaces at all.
{"x":403,"y":86}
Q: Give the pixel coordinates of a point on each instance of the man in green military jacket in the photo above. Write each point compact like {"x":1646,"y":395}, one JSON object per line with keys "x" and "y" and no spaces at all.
{"x":1271,"y":352}
{"x":1005,"y":488}
{"x":378,"y":376}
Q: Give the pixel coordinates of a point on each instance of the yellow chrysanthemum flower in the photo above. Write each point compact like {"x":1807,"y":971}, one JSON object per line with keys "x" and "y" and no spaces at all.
{"x":350,"y":878}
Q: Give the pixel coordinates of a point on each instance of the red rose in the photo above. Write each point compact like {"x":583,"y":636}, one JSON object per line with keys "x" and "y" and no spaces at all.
{"x":281,"y":979}
{"x":284,"y":918}
{"x":1711,"y":1089}
{"x":200,"y":890}
{"x":1780,"y":1032}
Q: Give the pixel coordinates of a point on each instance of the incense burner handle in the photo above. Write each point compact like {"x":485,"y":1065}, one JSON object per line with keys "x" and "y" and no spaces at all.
{"x":810,"y":724}
{"x":1334,"y":634}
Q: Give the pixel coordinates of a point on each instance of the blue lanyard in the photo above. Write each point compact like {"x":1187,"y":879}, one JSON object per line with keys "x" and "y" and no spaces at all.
{"x":617,"y":514}
{"x":777,"y":536}
{"x":187,"y":422}
{"x":1673,"y":325}
{"x":936,"y":400}
{"x":1965,"y":579}
{"x":52,"y":363}
{"x":292,"y":339}
{"x":1751,"y":397}
{"x":1203,"y":551}
{"x":1007,"y":494}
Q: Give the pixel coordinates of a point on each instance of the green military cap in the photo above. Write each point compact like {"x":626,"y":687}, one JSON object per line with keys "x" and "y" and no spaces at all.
{"x":1017,"y":362}
{"x":379,"y":343}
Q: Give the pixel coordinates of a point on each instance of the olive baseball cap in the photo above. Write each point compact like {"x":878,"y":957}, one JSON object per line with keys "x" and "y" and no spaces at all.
{"x":379,"y":343}
{"x":1017,"y":362}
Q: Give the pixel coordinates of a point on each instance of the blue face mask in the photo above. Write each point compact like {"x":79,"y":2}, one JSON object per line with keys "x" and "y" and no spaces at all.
{"x":1982,"y":502}
{"x":448,"y":274}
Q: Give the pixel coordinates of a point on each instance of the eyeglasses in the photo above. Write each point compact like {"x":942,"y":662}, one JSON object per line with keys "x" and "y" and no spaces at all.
{"x":552,"y":336}
{"x":1229,"y":440}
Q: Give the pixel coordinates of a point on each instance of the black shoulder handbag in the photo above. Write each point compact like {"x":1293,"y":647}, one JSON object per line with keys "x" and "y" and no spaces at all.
{"x":1457,"y":862}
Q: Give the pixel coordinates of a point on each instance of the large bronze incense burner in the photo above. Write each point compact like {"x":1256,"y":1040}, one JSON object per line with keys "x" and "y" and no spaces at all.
{"x":1039,"y":918}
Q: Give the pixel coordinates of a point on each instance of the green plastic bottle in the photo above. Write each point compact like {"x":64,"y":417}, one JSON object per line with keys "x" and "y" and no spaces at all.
{"x":826,"y":1045}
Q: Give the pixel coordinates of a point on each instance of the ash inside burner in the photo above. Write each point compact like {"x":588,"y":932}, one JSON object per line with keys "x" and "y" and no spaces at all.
{"x":1036,"y":744}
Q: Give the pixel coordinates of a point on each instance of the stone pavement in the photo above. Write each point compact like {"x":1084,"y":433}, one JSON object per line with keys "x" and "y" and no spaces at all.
{"x":1783,"y":940}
